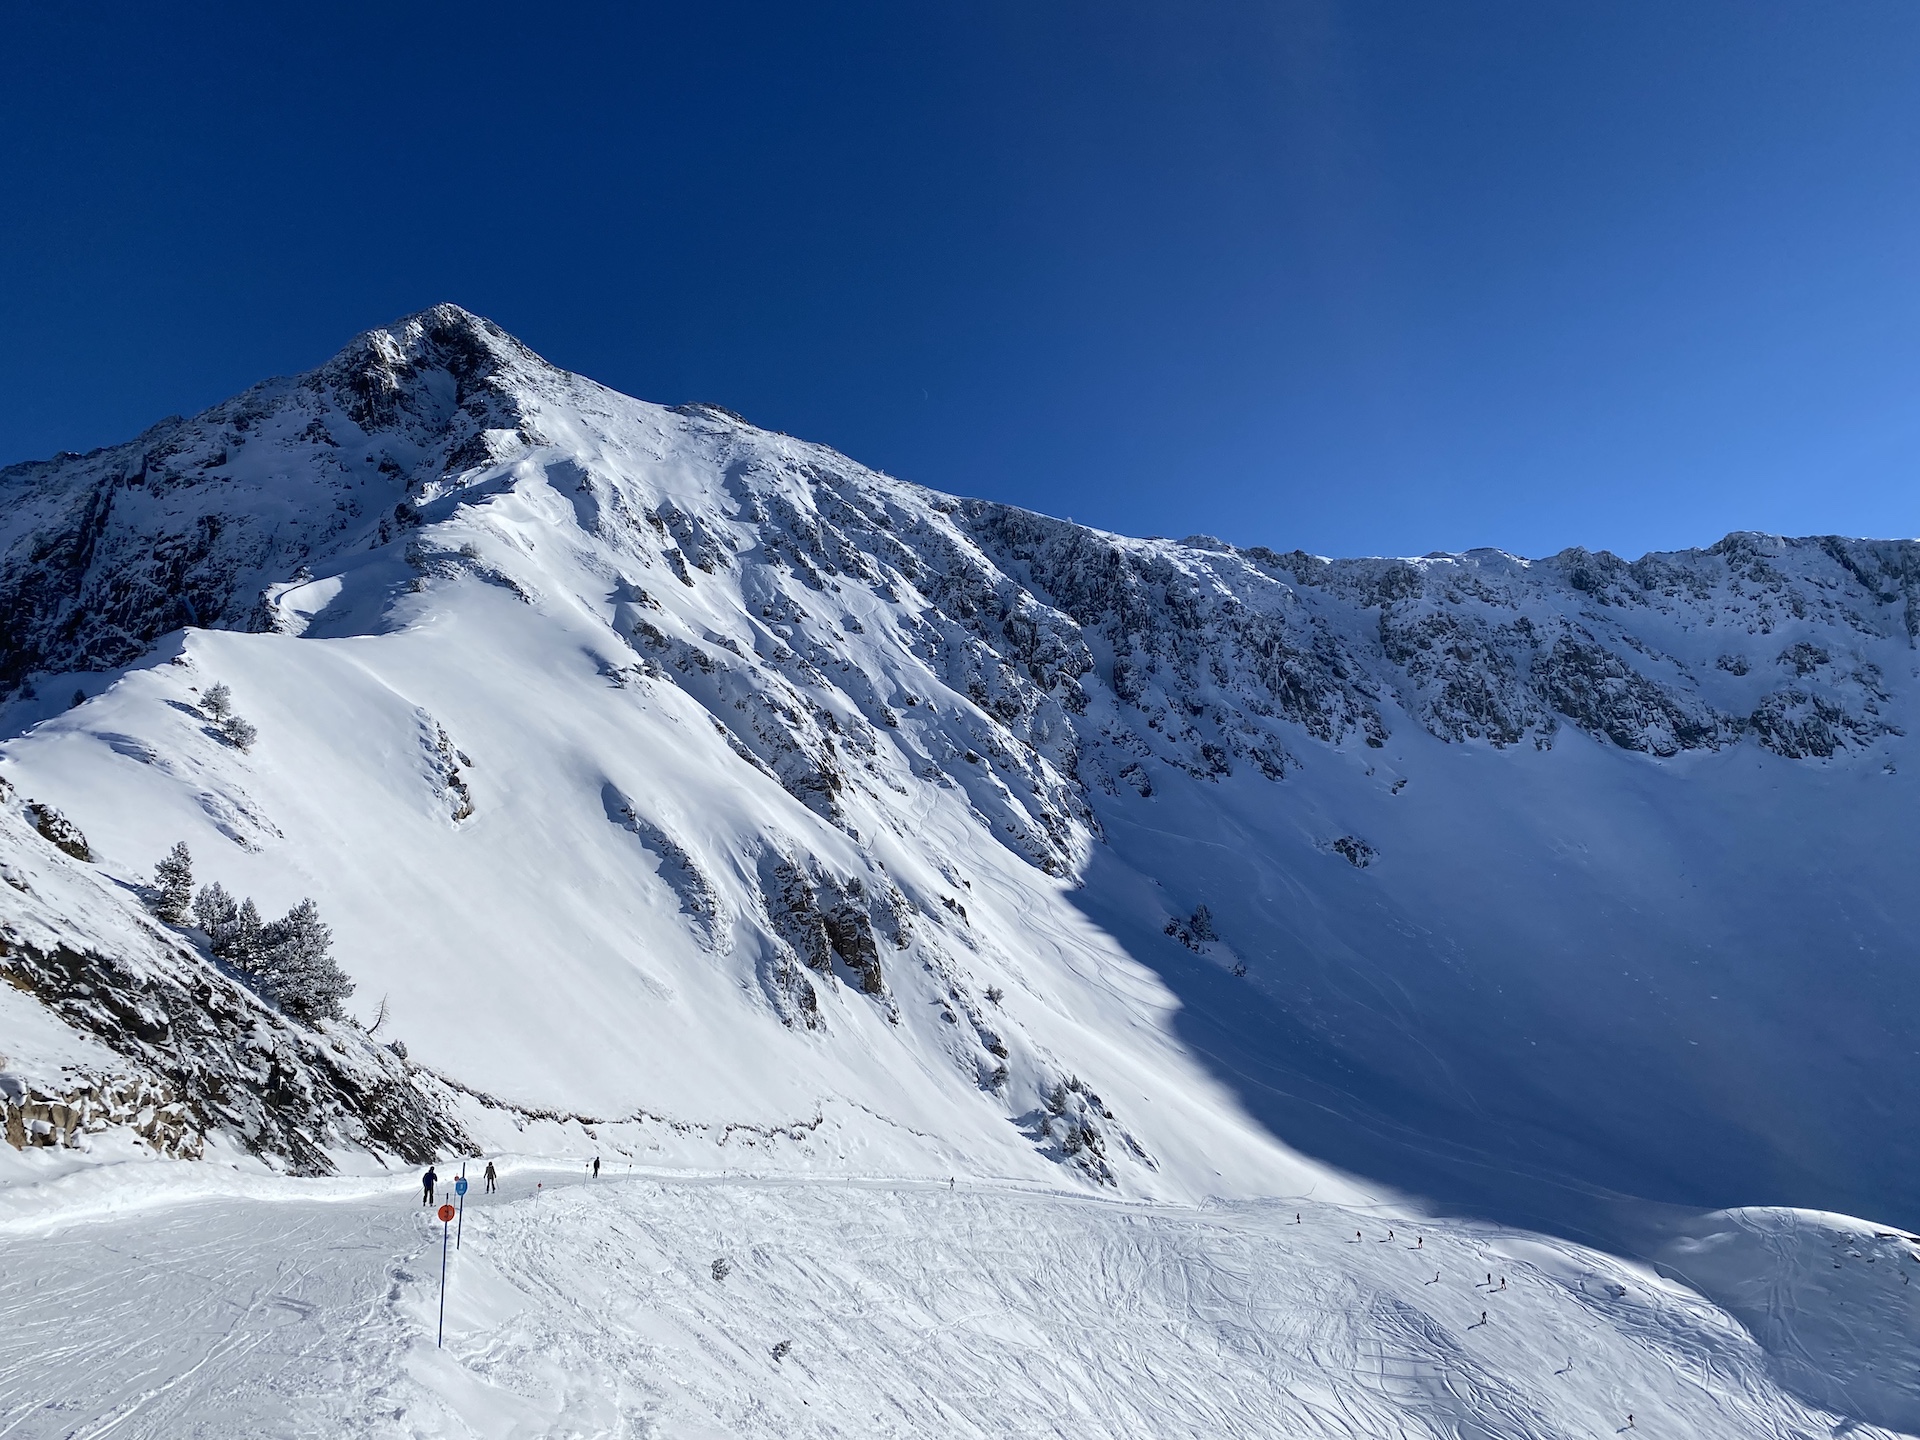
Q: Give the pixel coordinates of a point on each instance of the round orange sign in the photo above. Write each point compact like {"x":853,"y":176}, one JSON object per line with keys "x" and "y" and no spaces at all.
{"x":446,"y":1212}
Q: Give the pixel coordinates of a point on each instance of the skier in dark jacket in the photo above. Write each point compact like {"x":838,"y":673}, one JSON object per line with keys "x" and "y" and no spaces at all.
{"x":489,"y":1178}
{"x":427,"y":1182}
{"x":596,"y":1167}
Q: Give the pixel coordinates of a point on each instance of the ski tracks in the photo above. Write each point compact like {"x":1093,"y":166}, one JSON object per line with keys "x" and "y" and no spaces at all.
{"x":907,"y":1310}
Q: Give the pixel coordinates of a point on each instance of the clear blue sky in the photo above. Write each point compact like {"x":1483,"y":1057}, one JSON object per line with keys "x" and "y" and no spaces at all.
{"x":1367,"y":277}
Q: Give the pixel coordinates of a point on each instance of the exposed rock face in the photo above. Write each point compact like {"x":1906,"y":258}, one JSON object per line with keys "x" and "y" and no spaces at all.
{"x":59,"y":831}
{"x":65,"y":1113}
{"x":823,"y":919}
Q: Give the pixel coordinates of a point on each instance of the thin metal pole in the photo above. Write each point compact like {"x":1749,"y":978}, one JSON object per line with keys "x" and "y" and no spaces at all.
{"x":443,"y":1285}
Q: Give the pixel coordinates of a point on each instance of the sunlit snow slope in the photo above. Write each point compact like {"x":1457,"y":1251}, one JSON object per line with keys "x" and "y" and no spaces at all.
{"x":660,"y":771}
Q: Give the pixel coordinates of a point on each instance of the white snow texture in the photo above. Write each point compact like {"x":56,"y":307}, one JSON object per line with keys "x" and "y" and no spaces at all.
{"x":986,"y":932}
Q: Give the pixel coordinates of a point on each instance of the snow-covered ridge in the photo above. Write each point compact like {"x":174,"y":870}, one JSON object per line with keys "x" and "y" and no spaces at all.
{"x":650,"y":764}
{"x":203,"y":521}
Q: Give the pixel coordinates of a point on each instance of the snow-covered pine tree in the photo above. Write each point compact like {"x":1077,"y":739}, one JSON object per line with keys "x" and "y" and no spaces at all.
{"x":173,"y":878}
{"x":218,"y":702}
{"x":215,"y":911}
{"x":296,"y":964}
{"x":1202,"y":924}
{"x":244,"y":946}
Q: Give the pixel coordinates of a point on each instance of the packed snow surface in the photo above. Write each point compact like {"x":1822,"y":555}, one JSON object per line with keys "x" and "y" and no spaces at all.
{"x":730,"y":1305}
{"x":686,"y":793}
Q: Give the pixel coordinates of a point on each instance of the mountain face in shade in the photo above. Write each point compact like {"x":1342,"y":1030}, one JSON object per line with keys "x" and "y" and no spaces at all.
{"x":656,"y":770}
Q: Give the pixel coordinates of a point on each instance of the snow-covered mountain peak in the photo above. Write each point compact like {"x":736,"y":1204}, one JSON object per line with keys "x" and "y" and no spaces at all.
{"x":660,"y":770}
{"x":419,"y":372}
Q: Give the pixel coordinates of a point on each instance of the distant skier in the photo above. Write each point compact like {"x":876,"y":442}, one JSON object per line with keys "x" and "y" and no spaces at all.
{"x":1420,"y":1243}
{"x":490,"y":1178}
{"x":427,"y":1182}
{"x":1503,"y":1282}
{"x":596,"y":1167}
{"x":1483,"y":1317}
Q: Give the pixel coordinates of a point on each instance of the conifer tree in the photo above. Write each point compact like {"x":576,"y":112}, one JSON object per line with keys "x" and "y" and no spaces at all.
{"x":296,"y":963}
{"x":1203,"y":924}
{"x":218,"y":701}
{"x":215,"y":911}
{"x":173,"y":878}
{"x":243,"y":948}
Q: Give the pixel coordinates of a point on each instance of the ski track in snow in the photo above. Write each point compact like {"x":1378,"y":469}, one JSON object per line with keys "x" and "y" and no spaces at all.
{"x":913,"y":1310}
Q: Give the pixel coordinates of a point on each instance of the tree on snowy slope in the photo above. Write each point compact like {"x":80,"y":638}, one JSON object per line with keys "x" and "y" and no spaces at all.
{"x":173,"y":878}
{"x":296,"y":964}
{"x":214,"y":911}
{"x":218,"y":702}
{"x":290,"y":960}
{"x":232,"y":926}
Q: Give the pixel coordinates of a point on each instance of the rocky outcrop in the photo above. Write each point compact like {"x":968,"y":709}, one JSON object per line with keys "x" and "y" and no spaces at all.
{"x":58,"y":831}
{"x":229,"y":1063}
{"x":67,"y":1112}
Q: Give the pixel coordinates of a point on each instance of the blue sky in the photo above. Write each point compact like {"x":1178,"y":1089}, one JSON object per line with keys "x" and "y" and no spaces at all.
{"x":1385,"y":277}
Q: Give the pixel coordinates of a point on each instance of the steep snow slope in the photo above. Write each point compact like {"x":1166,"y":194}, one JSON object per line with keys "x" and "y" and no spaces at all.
{"x":658,"y":769}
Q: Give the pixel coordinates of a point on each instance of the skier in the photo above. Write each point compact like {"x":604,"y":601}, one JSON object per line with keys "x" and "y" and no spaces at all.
{"x":596,"y":1167}
{"x":427,"y":1182}
{"x":490,"y":1178}
{"x":1420,"y":1243}
{"x":1503,"y":1282}
{"x":1483,"y":1317}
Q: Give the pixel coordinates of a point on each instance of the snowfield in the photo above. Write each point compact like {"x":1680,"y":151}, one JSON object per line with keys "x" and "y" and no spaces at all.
{"x":908,"y":1309}
{"x":687,"y":794}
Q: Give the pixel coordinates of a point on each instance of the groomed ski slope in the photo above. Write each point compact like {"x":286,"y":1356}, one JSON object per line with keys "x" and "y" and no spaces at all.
{"x":591,"y":1308}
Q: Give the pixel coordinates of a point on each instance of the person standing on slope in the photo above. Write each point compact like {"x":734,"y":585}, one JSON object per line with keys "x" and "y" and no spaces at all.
{"x":596,"y":1167}
{"x":489,"y":1177}
{"x":427,"y":1182}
